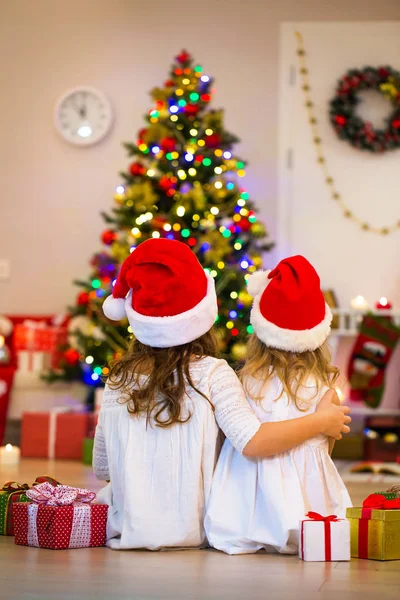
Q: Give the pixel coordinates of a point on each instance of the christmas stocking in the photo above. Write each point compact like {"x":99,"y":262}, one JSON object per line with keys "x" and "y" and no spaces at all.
{"x":371,"y":354}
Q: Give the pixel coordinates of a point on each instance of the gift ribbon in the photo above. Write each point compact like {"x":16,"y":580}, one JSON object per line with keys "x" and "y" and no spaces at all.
{"x":62,"y":495}
{"x":14,"y":486}
{"x":314,"y":516}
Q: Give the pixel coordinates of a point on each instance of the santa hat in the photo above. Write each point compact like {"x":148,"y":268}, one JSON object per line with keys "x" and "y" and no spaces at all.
{"x":289,"y":310}
{"x":163,"y":290}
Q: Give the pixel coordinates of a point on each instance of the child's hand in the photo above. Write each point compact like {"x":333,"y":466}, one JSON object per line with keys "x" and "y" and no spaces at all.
{"x":334,"y":417}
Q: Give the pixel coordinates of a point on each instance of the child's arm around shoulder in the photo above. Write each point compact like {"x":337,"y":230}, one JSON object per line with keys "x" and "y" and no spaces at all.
{"x":251,"y":438}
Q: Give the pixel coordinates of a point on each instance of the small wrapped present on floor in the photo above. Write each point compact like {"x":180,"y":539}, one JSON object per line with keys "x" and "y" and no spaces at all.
{"x":324,"y":538}
{"x":56,"y":434}
{"x":11,"y":493}
{"x":375,"y":528}
{"x":60,"y":517}
{"x":87,"y":451}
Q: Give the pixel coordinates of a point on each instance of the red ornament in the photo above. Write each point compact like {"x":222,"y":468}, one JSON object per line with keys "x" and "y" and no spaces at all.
{"x":166,"y":183}
{"x":169,"y":83}
{"x":82,"y":299}
{"x":206,"y":97}
{"x":168,"y":144}
{"x":244,"y":224}
{"x":71,"y":356}
{"x":396,"y":123}
{"x":178,"y":72}
{"x":213,"y":140}
{"x":384,"y":73}
{"x":108,"y":237}
{"x":137,"y":169}
{"x":141,"y":135}
{"x":183,"y":57}
{"x":340,"y":120}
{"x":192,"y":109}
{"x":199,"y":158}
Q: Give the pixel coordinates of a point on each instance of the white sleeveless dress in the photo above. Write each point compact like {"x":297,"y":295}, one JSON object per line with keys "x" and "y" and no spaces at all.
{"x":257,"y":503}
{"x":161,"y":477}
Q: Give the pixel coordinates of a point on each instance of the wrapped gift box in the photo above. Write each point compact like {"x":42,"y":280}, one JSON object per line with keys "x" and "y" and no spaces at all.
{"x":324,"y":538}
{"x":54,"y":434}
{"x":375,"y":528}
{"x":37,"y":344}
{"x":87,"y":451}
{"x":11,"y":493}
{"x":60,"y":518}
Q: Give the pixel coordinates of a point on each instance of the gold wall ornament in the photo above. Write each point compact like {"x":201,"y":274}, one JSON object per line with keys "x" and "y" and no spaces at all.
{"x":321,"y":159}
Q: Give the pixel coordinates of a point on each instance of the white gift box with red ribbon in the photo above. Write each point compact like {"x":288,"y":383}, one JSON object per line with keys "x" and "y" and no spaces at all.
{"x":324,"y":538}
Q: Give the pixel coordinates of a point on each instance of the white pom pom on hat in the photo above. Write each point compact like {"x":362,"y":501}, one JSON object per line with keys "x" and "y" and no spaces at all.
{"x":114,"y":308}
{"x":257,"y":282}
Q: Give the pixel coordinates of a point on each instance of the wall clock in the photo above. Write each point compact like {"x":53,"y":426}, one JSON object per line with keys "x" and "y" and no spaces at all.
{"x":83,"y":116}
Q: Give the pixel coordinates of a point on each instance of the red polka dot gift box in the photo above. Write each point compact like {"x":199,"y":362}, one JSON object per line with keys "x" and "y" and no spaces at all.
{"x":60,"y":517}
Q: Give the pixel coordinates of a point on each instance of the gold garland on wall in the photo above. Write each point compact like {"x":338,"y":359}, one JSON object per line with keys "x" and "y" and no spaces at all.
{"x":321,"y":159}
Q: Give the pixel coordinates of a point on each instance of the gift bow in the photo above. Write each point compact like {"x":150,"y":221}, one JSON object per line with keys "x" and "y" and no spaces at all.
{"x":62,"y":495}
{"x":379,"y":502}
{"x":14,"y":486}
{"x":314,"y":516}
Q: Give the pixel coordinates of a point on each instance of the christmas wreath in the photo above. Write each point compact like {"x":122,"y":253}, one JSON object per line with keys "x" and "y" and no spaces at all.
{"x":349,"y":126}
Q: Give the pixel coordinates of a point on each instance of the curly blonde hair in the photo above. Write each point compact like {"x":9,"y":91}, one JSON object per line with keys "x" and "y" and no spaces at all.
{"x":291,"y":368}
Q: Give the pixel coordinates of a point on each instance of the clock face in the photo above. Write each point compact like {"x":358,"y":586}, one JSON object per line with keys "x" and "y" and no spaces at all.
{"x":83,"y":116}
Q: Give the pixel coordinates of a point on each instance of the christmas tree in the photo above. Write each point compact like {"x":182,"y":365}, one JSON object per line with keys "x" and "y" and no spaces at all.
{"x":184,"y":183}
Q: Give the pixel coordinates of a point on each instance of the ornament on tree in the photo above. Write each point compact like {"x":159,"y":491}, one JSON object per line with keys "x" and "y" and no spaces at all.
{"x":71,"y":357}
{"x":137,"y":169}
{"x":183,"y":57}
{"x":168,"y":144}
{"x":213,"y":140}
{"x":166,"y":183}
{"x":108,"y":237}
{"x":82,"y":299}
{"x":239,"y":351}
{"x":192,"y":109}
{"x":371,"y":355}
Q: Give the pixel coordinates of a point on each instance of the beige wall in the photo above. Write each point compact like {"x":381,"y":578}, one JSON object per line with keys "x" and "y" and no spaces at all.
{"x":51,"y":193}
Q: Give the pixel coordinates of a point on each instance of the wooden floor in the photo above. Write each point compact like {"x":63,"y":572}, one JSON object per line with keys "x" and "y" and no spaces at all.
{"x":36,"y":574}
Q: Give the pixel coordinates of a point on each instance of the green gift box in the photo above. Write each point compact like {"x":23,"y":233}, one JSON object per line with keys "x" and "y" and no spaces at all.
{"x":11,"y":493}
{"x":87,"y":451}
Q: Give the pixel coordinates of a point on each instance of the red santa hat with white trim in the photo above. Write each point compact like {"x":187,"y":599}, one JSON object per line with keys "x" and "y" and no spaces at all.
{"x":289,"y":310}
{"x":165,"y":293}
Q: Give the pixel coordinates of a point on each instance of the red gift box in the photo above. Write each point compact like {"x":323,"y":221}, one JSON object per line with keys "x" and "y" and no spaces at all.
{"x":38,"y":336}
{"x":60,"y":518}
{"x":54,"y":434}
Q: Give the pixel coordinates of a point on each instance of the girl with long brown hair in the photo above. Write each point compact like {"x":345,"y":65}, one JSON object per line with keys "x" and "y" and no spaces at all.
{"x":287,"y":371}
{"x":166,"y":400}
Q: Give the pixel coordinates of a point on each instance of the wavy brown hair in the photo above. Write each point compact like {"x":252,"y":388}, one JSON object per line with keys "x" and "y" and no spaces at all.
{"x":154,"y":380}
{"x":291,"y":368}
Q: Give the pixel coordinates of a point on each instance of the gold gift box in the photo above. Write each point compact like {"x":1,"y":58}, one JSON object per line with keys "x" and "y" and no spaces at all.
{"x":382,"y":531}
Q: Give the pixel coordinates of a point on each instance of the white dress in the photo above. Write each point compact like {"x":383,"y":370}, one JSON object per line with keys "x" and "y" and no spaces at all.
{"x":257,"y":503}
{"x":161,"y":477}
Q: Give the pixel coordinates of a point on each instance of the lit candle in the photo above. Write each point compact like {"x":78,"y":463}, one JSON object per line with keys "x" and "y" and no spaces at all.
{"x":383,"y":304}
{"x":359,"y":303}
{"x":9,"y":455}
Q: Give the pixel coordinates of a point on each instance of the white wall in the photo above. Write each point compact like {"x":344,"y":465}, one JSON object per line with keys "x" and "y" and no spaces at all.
{"x":351,"y":261}
{"x":51,"y":193}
